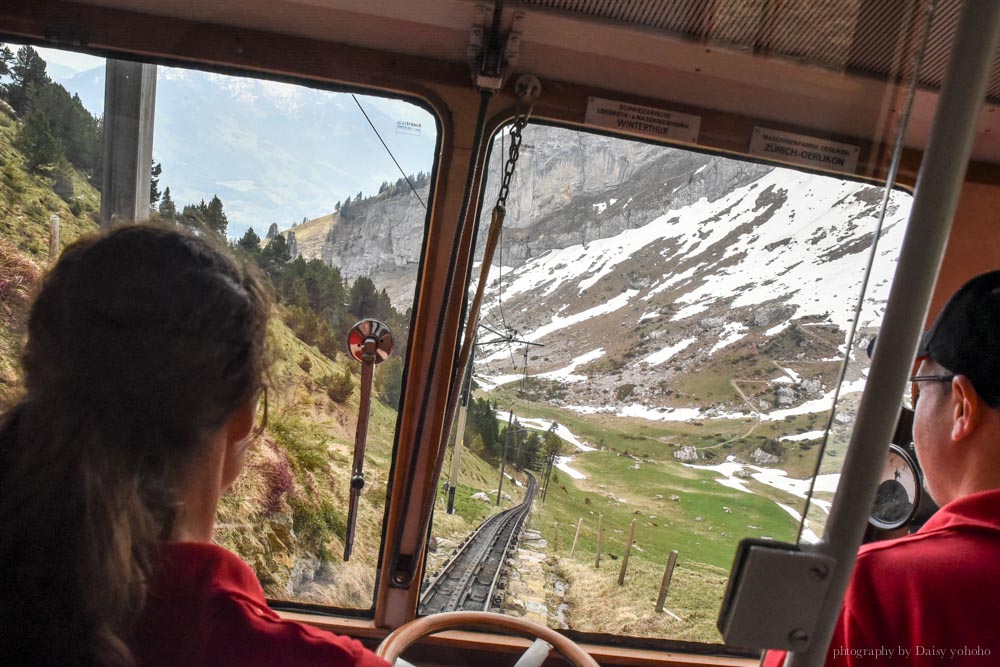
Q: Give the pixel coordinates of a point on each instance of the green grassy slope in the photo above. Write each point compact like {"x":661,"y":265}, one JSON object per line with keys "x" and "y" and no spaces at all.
{"x":634,"y":476}
{"x":27,"y":204}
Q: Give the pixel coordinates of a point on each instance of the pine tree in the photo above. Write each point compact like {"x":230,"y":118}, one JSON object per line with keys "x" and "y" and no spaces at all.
{"x":193,"y":215}
{"x":27,"y":70}
{"x":71,"y":123}
{"x":36,"y":140}
{"x":274,"y":256}
{"x":363,"y":300}
{"x":202,"y":216}
{"x":389,"y":381}
{"x":168,"y":209}
{"x":6,"y":57}
{"x":552,"y":445}
{"x":154,"y":184}
{"x":249,"y":242}
{"x":215,"y":217}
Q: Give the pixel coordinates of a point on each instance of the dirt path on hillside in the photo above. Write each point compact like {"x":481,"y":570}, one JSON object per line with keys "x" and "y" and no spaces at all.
{"x":806,"y":330}
{"x":752,"y":428}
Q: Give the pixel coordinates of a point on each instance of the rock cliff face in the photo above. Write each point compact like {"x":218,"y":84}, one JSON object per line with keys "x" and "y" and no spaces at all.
{"x":572,"y":188}
{"x":381,"y":238}
{"x":569,"y":188}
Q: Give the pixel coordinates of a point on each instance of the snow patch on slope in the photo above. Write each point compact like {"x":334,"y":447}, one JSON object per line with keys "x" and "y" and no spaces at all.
{"x":666,"y":353}
{"x":809,"y":252}
{"x":565,"y":374}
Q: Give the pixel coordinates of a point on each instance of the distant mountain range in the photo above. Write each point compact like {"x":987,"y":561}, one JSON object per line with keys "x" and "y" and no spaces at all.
{"x":273,"y":152}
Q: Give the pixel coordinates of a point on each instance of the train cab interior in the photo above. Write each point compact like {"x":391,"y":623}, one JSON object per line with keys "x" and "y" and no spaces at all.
{"x":625,"y":259}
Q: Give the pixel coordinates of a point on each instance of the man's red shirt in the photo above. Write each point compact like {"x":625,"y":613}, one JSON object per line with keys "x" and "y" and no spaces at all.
{"x":929,"y":598}
{"x":206,"y":607}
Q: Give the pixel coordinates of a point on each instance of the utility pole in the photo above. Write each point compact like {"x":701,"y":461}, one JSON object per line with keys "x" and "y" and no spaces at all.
{"x":503,"y":455}
{"x":524,"y":378}
{"x":548,"y":472}
{"x":456,"y":452}
{"x":550,"y":459}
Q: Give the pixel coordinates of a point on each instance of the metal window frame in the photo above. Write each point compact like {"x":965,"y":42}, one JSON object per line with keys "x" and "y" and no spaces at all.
{"x":129,"y":108}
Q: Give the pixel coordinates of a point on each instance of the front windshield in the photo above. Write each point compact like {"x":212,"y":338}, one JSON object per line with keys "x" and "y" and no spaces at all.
{"x":660,"y":347}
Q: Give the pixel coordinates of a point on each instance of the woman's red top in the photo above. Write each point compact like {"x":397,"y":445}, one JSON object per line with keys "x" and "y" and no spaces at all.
{"x":206,"y":607}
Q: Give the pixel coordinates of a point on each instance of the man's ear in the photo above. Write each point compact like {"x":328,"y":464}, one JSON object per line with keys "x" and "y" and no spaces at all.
{"x":968,"y":408}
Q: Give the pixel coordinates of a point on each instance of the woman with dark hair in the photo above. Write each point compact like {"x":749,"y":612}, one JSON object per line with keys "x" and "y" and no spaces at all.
{"x":144,"y":364}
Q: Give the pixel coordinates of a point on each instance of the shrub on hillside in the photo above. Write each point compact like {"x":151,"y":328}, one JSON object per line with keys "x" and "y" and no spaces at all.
{"x":773,"y":447}
{"x":278,"y":479}
{"x":624,"y":391}
{"x":304,"y":452}
{"x":62,"y":180}
{"x":311,"y":329}
{"x":305,"y":363}
{"x":389,"y":381}
{"x":316,"y":523}
{"x":338,"y":386}
{"x":17,"y":275}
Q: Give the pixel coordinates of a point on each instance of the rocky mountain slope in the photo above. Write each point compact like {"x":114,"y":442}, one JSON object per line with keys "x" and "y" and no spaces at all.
{"x":562,"y":178}
{"x":641,"y":267}
{"x":749,"y":287}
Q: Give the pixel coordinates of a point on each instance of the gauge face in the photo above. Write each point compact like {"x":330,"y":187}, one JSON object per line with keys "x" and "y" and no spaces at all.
{"x":898,"y":491}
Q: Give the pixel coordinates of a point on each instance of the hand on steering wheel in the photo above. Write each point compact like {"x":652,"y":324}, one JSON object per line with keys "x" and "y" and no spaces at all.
{"x":400,"y":638}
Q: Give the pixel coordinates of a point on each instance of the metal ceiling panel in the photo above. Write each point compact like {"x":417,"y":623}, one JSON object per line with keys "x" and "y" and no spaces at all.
{"x":874,"y":37}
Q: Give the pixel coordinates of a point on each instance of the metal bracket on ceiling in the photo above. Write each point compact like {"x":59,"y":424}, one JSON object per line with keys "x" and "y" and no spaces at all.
{"x":491,"y":59}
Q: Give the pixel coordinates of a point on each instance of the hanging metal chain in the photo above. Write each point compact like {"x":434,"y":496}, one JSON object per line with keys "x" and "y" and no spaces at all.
{"x":527,"y":90}
{"x":513,"y":153}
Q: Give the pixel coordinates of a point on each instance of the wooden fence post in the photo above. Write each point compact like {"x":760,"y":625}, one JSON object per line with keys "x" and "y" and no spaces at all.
{"x":600,"y":535}
{"x":555,"y":538}
{"x":628,"y":550}
{"x":575,"y":537}
{"x":53,"y":238}
{"x":665,"y":584}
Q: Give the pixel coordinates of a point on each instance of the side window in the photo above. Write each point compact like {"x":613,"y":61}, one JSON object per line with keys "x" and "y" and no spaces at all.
{"x":300,"y":182}
{"x":660,"y":349}
{"x":326,"y":193}
{"x":50,"y":170}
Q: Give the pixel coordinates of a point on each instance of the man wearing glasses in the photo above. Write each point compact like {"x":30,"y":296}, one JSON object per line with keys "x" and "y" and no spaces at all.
{"x":933,"y":597}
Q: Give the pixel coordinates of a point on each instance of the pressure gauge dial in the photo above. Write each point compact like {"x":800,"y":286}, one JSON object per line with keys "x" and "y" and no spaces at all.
{"x":898,"y":491}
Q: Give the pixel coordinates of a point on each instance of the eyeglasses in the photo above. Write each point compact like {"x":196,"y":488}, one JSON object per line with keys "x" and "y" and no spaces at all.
{"x":260,"y":414}
{"x":917,"y":379}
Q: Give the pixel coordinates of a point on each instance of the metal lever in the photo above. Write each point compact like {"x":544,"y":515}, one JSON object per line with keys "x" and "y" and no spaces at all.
{"x":369,"y":342}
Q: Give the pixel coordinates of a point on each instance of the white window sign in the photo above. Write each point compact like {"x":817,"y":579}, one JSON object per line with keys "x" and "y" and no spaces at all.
{"x":407,"y":127}
{"x":804,"y":150}
{"x":637,"y":119}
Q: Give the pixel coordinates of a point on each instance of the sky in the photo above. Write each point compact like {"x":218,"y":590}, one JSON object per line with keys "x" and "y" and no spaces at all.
{"x":79,"y":62}
{"x":258,"y":205}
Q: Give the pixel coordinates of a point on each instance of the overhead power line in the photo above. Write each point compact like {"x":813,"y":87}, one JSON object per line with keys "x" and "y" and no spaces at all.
{"x":389,"y":151}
